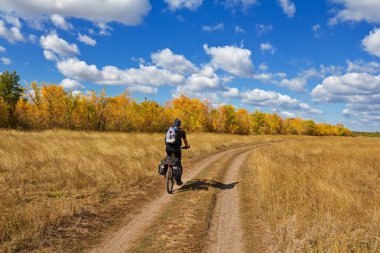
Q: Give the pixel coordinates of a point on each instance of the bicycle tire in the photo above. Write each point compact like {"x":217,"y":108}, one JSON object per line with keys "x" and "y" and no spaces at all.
{"x":169,"y":180}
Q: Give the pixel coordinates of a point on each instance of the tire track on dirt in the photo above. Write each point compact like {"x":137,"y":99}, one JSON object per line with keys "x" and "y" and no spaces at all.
{"x":226,"y":233}
{"x":123,"y":239}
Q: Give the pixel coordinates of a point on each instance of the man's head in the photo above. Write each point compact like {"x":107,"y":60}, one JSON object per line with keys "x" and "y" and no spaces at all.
{"x":177,"y":123}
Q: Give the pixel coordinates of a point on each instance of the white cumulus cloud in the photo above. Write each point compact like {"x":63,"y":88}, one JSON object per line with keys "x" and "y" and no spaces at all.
{"x":270,"y":99}
{"x":60,"y":22}
{"x":360,"y":66}
{"x":71,"y":84}
{"x":50,"y":56}
{"x":359,"y":91}
{"x":143,"y":89}
{"x":86,"y":39}
{"x":173,"y":62}
{"x":244,"y":4}
{"x":183,"y":4}
{"x":316,"y":29}
{"x":203,"y":84}
{"x":350,"y":88}
{"x":355,"y":10}
{"x":235,"y":60}
{"x":6,"y":60}
{"x":11,"y":19}
{"x":111,"y":75}
{"x":371,"y":43}
{"x":261,"y":29}
{"x":288,"y":114}
{"x":12,"y":34}
{"x":263,"y":67}
{"x":296,"y":84}
{"x":238,"y":29}
{"x":32,"y":38}
{"x":128,"y":12}
{"x":55,"y":44}
{"x":217,"y":27}
{"x":267,"y":47}
{"x":288,"y":7}
{"x":205,"y":79}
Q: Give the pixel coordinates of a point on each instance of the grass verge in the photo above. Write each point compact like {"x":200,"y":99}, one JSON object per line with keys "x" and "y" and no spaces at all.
{"x":313,"y":195}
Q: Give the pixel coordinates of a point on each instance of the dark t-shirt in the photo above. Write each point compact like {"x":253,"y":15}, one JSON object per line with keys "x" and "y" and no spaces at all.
{"x":175,"y":147}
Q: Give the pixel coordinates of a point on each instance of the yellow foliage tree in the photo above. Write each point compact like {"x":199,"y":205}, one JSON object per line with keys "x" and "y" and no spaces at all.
{"x":53,"y":105}
{"x":244,"y":122}
{"x":50,"y":106}
{"x":192,"y":112}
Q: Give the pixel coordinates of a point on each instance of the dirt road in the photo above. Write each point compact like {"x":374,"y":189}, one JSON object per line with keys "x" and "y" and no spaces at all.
{"x":225,"y":220}
{"x":225,"y":234}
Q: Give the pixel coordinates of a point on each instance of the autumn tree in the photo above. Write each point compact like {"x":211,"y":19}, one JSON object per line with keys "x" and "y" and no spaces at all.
{"x":122,"y":113}
{"x":309,"y":127}
{"x":4,"y":113}
{"x":50,"y":106}
{"x":214,"y":123}
{"x":258,"y":122}
{"x":53,"y":105}
{"x":244,"y":122}
{"x":10,"y":92}
{"x":151,"y":117}
{"x":342,"y":131}
{"x":228,"y":118}
{"x":96,"y":112}
{"x":293,"y":126}
{"x":29,"y":109}
{"x":192,"y":112}
{"x":274,"y":123}
{"x":70,"y":104}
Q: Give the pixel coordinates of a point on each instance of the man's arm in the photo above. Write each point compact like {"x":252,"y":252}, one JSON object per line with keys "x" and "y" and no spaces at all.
{"x":186,"y":143}
{"x":184,"y":139}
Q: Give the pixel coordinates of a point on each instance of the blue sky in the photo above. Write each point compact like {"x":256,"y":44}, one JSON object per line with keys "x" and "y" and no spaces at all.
{"x":312,"y":59}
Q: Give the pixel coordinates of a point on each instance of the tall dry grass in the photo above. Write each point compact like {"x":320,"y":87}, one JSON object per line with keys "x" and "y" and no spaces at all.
{"x":313,"y":195}
{"x":59,"y":187}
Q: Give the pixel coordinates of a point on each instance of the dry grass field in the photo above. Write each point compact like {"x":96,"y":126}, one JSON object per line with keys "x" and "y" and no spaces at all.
{"x":313,"y":195}
{"x":61,"y":189}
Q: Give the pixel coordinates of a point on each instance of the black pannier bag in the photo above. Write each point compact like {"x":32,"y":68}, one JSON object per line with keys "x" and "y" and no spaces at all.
{"x":177,"y":167}
{"x":162,"y":167}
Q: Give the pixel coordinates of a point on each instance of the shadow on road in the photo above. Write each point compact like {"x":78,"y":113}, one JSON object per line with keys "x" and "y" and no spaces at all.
{"x":204,"y":184}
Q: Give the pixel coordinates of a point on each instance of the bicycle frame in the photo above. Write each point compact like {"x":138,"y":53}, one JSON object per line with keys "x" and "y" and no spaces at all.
{"x":172,"y":172}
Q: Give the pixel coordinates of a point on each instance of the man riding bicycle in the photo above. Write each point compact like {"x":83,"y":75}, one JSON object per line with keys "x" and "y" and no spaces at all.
{"x":173,"y":142}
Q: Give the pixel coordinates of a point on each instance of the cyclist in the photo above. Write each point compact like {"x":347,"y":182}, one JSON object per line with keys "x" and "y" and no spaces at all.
{"x":174,"y":146}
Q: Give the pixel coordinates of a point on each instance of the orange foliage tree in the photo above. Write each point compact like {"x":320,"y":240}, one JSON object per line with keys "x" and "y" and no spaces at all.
{"x":50,"y":106}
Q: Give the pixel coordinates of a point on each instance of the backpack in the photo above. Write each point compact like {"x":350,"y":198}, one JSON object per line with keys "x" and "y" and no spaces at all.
{"x":173,"y":136}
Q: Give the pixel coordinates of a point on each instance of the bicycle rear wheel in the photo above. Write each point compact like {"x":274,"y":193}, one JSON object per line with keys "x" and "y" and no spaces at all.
{"x":169,"y":180}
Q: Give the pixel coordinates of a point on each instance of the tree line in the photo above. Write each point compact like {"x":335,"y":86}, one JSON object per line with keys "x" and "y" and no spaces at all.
{"x":43,"y":106}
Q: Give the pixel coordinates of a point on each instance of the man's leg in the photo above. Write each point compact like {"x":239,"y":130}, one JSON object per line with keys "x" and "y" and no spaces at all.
{"x":179,"y":155}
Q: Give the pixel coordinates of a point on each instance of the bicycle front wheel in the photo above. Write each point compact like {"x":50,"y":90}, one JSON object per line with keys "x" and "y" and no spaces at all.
{"x":169,"y":180}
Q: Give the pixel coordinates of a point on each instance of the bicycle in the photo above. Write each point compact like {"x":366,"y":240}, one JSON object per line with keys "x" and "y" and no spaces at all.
{"x":173,"y":171}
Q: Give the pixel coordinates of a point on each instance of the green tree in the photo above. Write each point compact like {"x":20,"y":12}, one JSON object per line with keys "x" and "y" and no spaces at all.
{"x":10,"y":92}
